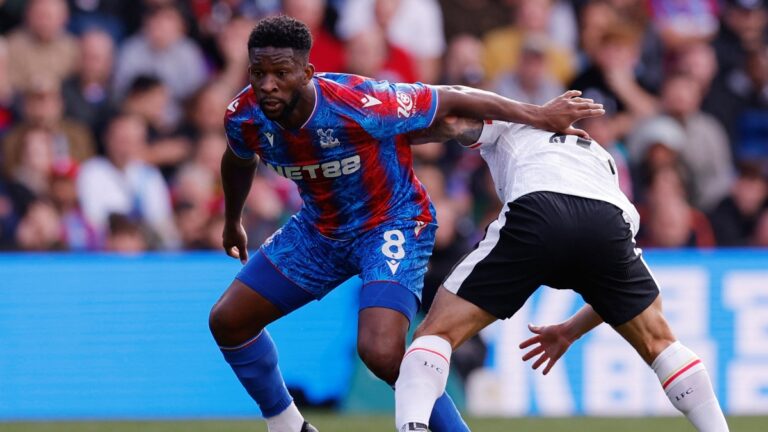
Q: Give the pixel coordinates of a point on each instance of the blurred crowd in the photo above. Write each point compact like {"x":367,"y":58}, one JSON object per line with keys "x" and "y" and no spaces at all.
{"x":111,"y":111}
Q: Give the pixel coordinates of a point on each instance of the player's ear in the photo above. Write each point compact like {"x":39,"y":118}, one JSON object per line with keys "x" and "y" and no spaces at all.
{"x":309,"y":72}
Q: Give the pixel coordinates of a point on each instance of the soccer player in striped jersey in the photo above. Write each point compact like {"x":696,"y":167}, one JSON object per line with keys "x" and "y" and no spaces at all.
{"x":341,"y":139}
{"x":565,"y":224}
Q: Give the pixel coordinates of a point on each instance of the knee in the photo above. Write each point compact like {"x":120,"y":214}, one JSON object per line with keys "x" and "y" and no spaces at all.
{"x":227,"y":326}
{"x":381,"y":358}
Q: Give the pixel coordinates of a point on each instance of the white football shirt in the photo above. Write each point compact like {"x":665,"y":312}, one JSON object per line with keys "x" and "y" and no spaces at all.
{"x":523,"y":159}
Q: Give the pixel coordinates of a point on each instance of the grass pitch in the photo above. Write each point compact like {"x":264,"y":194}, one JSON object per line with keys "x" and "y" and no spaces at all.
{"x":328,"y":422}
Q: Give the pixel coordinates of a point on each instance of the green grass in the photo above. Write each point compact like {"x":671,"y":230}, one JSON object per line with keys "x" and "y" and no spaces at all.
{"x":335,"y":423}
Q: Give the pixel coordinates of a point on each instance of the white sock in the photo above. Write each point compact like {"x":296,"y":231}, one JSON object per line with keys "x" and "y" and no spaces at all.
{"x":423,"y":376}
{"x":290,"y":420}
{"x":686,"y":382}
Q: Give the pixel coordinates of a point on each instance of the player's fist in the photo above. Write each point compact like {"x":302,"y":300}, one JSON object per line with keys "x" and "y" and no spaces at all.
{"x":559,"y":114}
{"x":235,"y":241}
{"x":549,"y":343}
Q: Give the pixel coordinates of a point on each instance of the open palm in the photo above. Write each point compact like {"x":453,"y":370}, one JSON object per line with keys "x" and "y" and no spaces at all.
{"x":549,"y":343}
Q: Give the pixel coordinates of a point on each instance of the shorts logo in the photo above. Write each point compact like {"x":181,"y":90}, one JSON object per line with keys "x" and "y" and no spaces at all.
{"x":393,"y":249}
{"x":327,"y":140}
{"x":404,"y":104}
{"x":272,"y":237}
{"x":270,"y":138}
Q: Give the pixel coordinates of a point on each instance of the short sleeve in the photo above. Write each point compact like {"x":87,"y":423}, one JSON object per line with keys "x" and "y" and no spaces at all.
{"x":403,"y":108}
{"x":235,"y":140}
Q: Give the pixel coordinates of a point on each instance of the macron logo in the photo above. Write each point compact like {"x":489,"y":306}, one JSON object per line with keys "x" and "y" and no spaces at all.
{"x":393,"y":265}
{"x":233,"y":106}
{"x":369,"y":101}
{"x":270,"y":138}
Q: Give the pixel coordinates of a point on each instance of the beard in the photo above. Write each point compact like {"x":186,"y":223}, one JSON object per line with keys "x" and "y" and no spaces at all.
{"x":290,"y":106}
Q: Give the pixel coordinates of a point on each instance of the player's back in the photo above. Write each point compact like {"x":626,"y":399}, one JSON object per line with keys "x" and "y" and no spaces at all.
{"x":350,"y":159}
{"x":525,"y":159}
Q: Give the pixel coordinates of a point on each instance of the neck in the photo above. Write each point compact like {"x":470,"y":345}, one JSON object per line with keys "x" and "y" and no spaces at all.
{"x":304,"y":108}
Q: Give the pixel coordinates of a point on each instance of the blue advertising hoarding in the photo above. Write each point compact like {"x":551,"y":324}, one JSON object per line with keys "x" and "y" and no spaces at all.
{"x":105,"y":336}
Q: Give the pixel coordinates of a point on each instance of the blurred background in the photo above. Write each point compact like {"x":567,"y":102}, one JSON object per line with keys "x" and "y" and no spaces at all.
{"x":111,"y":134}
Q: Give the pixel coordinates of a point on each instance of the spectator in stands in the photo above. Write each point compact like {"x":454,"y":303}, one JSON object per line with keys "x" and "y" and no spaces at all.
{"x":369,"y":54}
{"x":532,"y":81}
{"x":203,"y":115}
{"x":601,"y":129}
{"x":125,"y":235}
{"x":232,"y":75}
{"x":611,"y":78}
{"x":214,"y":16}
{"x":88,"y":94}
{"x":503,"y":47}
{"x":14,"y":200}
{"x":682,"y":23}
{"x":744,"y":30}
{"x":6,"y":89}
{"x":655,"y":144}
{"x":40,"y":229}
{"x":162,"y":49}
{"x":760,"y":238}
{"x":735,"y":219}
{"x":43,"y":108}
{"x":192,"y":223}
{"x":77,"y":232}
{"x":35,"y":160}
{"x":327,"y":51}
{"x":122,"y":183}
{"x":473,"y":17}
{"x":463,"y":62}
{"x":669,"y":221}
{"x":415,"y":26}
{"x":149,"y":98}
{"x":706,"y":152}
{"x":42,"y":47}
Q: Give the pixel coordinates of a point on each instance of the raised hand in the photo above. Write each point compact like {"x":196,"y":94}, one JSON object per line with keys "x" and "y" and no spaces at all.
{"x":559,"y":114}
{"x":549,"y":343}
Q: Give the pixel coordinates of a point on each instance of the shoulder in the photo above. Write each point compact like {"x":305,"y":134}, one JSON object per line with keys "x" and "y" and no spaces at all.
{"x":241,"y":107}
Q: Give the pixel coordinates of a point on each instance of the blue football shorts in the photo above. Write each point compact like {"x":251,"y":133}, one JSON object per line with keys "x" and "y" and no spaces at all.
{"x":297,"y":264}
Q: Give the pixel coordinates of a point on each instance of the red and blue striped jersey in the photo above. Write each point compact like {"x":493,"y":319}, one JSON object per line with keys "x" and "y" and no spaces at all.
{"x":350,"y":160}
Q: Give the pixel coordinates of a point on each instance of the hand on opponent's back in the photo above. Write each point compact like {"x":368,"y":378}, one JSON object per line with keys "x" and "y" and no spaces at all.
{"x":560,"y":113}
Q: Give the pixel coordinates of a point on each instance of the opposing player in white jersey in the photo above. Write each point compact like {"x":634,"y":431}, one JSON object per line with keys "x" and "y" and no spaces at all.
{"x":566,"y":224}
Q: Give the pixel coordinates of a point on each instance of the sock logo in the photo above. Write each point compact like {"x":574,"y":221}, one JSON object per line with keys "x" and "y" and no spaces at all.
{"x":434,"y":367}
{"x":682,"y":395}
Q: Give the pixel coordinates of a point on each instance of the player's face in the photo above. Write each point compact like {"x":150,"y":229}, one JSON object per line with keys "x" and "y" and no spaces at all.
{"x":277,"y":76}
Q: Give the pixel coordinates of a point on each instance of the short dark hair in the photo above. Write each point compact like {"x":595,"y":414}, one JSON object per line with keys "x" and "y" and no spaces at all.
{"x":143,"y":84}
{"x":281,"y":32}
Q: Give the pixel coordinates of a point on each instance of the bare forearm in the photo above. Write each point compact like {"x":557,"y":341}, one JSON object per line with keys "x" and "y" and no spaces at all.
{"x":581,"y":322}
{"x":478,"y":104}
{"x":236,"y":179}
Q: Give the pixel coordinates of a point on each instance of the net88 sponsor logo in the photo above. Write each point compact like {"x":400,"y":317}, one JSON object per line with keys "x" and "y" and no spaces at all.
{"x":325,"y":170}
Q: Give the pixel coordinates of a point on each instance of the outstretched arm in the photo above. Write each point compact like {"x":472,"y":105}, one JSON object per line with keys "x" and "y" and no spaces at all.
{"x":556,"y":115}
{"x":552,"y":341}
{"x":236,"y":178}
